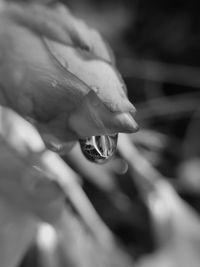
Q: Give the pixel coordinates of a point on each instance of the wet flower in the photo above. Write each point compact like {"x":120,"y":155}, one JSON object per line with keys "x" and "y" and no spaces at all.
{"x":59,"y":73}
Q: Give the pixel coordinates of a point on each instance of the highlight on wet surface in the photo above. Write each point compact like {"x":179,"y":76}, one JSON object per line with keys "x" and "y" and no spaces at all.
{"x":99,"y":149}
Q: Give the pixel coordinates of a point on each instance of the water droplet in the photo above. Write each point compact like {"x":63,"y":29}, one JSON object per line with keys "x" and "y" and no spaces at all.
{"x":54,"y":83}
{"x":95,"y":88}
{"x":63,"y":62}
{"x":99,"y":149}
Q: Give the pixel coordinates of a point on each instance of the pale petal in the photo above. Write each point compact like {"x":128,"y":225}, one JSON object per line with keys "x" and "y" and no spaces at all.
{"x":97,"y":74}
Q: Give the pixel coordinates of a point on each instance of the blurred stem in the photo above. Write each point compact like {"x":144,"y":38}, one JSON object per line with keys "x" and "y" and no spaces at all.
{"x":168,"y":106}
{"x":146,"y":176}
{"x":84,"y":208}
{"x":160,"y":72}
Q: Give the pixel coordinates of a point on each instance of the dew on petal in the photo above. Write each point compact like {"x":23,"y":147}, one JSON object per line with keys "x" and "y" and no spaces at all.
{"x":54,"y":83}
{"x":99,"y":149}
{"x":95,"y":89}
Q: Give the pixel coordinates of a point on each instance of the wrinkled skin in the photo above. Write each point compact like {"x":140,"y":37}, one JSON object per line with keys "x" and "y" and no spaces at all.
{"x":61,"y":101}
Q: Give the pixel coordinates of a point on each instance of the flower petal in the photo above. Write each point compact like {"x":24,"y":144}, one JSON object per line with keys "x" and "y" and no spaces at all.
{"x":100,"y":76}
{"x":92,"y":117}
{"x":40,"y":19}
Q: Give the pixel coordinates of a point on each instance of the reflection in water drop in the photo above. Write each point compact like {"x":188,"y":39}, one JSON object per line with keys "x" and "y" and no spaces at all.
{"x":99,"y":149}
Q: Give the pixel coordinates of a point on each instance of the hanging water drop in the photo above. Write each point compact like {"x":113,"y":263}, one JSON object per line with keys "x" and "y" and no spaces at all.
{"x":99,"y":149}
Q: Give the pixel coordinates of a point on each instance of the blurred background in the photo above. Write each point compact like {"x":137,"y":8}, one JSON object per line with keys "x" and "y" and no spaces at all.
{"x":157,"y":49}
